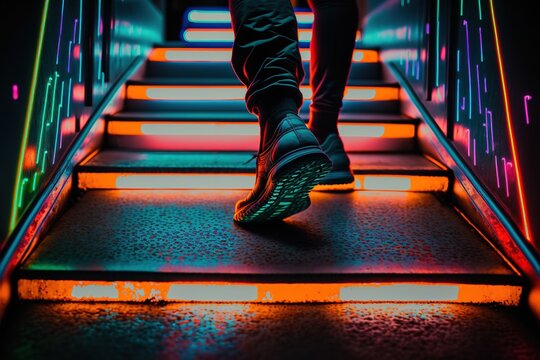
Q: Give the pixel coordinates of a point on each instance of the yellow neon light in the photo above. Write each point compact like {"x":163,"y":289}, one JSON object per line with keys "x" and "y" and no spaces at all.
{"x":224,"y":55}
{"x":143,"y":291}
{"x":524,"y":214}
{"x":188,"y":92}
{"x":28,"y":116}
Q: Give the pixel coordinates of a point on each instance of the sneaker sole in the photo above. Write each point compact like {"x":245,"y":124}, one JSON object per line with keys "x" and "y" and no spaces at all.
{"x":287,"y":191}
{"x":336,"y":181}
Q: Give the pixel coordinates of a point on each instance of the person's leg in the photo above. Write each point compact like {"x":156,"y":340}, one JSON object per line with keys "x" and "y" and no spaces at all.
{"x":267,"y":60}
{"x":333,"y":40}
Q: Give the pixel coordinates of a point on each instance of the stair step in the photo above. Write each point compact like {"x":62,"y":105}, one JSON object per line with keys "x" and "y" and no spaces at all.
{"x":244,"y":136}
{"x":112,"y":169}
{"x":182,"y":245}
{"x":212,"y":66}
{"x":168,"y":95}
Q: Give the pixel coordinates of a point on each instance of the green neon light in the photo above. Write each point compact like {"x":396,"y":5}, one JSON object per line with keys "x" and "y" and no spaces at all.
{"x":480,"y":9}
{"x":43,"y":163}
{"x":43,"y":113}
{"x":56,"y":135}
{"x":461,"y":8}
{"x":97,"y":32}
{"x":29,"y":110}
{"x":56,"y":76}
{"x":34,"y":182}
{"x":70,"y":88}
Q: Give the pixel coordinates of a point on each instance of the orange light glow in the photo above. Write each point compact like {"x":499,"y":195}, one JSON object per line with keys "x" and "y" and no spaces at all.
{"x":179,"y":92}
{"x":524,"y":214}
{"x":141,"y":291}
{"x":164,"y":181}
{"x":224,"y":55}
{"x":402,"y":182}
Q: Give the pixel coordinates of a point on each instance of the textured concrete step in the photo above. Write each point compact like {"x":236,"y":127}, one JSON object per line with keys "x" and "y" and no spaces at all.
{"x":113,"y":169}
{"x":182,"y":245}
{"x":384,"y":331}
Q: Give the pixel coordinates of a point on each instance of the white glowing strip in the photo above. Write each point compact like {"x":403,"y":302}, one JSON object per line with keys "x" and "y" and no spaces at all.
{"x":361,"y":130}
{"x":186,"y":181}
{"x":225,"y":56}
{"x":224,"y":17}
{"x":95,"y":291}
{"x":213,"y":292}
{"x":359,"y":94}
{"x":194,"y":55}
{"x":400,"y":292}
{"x":236,"y":93}
{"x":225,"y":35}
{"x":222,"y":129}
{"x":194,"y":93}
{"x":213,"y":16}
{"x":386,"y":183}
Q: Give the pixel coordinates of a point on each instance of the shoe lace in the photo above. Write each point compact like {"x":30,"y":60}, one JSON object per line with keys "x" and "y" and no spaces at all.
{"x":253,"y":156}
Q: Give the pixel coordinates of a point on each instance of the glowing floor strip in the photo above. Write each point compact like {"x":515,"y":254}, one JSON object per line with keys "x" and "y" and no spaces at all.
{"x":224,"y":55}
{"x":137,"y":128}
{"x":160,"y":180}
{"x":144,"y":291}
{"x":195,"y":35}
{"x":180,"y":93}
{"x":224,"y":17}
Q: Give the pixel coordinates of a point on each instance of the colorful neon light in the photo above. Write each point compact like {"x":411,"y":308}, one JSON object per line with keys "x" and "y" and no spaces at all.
{"x":526,"y":100}
{"x":224,"y":17}
{"x":524,"y":214}
{"x":156,"y":128}
{"x":187,"y":92}
{"x":227,"y":35}
{"x":144,"y":291}
{"x":224,"y":55}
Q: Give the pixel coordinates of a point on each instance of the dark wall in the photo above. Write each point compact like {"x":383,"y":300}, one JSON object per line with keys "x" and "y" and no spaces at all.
{"x":472,"y":64}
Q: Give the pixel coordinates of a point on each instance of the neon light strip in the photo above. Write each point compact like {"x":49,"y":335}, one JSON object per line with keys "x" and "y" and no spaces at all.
{"x":160,"y":180}
{"x":524,"y":214}
{"x":136,"y":128}
{"x":18,"y":193}
{"x":224,"y":55}
{"x":179,"y":93}
{"x":224,"y":17}
{"x":227,"y":35}
{"x":144,"y":291}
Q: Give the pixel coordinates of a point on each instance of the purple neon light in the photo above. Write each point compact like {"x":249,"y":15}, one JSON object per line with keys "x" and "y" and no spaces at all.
{"x":468,"y":131}
{"x":491,"y":126}
{"x":60,"y":33}
{"x":497,"y":172}
{"x":468,"y":66}
{"x":526,"y":100}
{"x":15,"y":92}
{"x":478,"y":85}
{"x":474,"y":151}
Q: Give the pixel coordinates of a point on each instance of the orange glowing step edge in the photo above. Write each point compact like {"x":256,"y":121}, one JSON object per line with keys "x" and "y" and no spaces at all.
{"x":224,"y":55}
{"x":189,"y":92}
{"x":124,"y":180}
{"x":144,"y":291}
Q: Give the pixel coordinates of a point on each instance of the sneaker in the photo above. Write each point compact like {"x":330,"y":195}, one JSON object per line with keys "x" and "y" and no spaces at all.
{"x":340,"y":177}
{"x":288,"y":167}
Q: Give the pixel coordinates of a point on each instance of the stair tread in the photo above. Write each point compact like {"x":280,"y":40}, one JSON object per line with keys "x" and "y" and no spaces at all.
{"x":180,"y":45}
{"x":246,"y":116}
{"x":234,"y":331}
{"x":165,"y":81}
{"x":184,"y":232}
{"x":199,"y":161}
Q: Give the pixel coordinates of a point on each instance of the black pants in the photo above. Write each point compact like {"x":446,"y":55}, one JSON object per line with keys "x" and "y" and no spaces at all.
{"x":266,"y":55}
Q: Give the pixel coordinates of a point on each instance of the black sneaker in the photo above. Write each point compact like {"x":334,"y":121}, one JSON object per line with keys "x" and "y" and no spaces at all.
{"x":340,"y":177}
{"x":288,"y":167}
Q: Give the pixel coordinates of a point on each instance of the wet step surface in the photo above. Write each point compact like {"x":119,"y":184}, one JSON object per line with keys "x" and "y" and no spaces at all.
{"x":236,"y":331}
{"x":179,"y":232}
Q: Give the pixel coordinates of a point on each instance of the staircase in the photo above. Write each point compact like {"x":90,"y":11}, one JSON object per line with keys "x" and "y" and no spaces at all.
{"x":152,"y":223}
